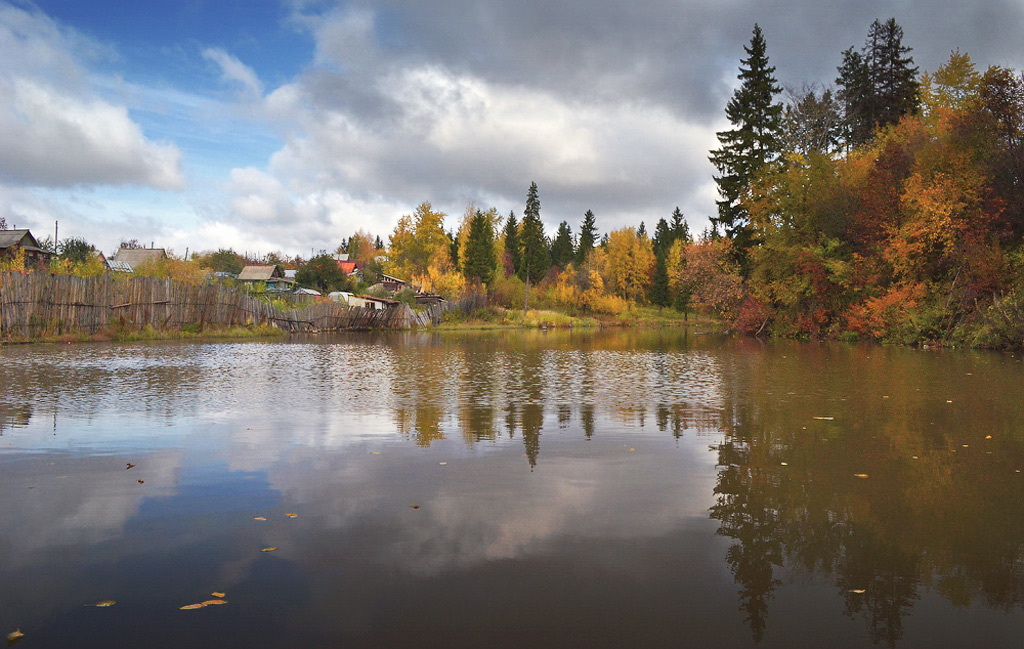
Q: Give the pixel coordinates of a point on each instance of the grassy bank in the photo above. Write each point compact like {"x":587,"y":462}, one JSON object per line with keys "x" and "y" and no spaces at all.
{"x":498,"y":318}
{"x":149,"y":333}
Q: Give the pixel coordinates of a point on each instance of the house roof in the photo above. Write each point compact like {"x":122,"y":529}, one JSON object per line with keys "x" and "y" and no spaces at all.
{"x":349,"y":267}
{"x":259,"y":273}
{"x":136,"y":256}
{"x":22,"y":238}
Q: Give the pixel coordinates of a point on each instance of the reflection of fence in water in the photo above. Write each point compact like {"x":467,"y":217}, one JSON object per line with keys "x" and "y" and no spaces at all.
{"x":40,"y":304}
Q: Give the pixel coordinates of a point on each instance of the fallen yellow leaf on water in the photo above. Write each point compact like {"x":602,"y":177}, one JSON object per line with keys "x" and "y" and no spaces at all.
{"x":259,"y":518}
{"x":292,"y":515}
{"x":415,"y":506}
{"x":988,"y":437}
{"x":214,"y":602}
{"x":443,"y":463}
{"x":859,"y":591}
{"x":860,"y":475}
{"x":191,"y":607}
{"x":104,"y":604}
{"x":216,"y":594}
{"x":268,"y":549}
{"x":376,"y":453}
{"x":784,"y":463}
{"x":14,"y":636}
{"x":825,"y":418}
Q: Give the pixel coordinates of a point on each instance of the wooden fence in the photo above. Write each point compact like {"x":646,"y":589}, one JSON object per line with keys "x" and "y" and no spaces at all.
{"x":39,"y":304}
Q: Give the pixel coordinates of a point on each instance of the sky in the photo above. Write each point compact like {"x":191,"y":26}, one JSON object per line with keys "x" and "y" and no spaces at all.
{"x":288,"y":125}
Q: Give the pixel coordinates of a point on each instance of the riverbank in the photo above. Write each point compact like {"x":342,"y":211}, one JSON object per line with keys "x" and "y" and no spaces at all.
{"x":148,"y":333}
{"x":498,"y":318}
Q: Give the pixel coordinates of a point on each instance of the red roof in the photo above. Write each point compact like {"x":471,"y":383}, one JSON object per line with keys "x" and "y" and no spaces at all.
{"x":349,"y":267}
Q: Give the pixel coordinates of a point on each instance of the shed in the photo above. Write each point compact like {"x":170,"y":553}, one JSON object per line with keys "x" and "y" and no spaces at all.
{"x":372,"y":302}
{"x":392,"y":284}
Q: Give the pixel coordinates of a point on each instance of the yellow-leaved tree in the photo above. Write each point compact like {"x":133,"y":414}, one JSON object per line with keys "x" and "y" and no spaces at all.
{"x":630,"y":263}
{"x":419,"y":243}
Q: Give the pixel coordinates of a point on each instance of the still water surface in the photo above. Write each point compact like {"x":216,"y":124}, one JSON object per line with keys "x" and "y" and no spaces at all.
{"x":606,"y":489}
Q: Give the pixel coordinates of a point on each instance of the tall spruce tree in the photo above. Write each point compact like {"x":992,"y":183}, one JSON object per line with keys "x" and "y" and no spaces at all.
{"x":662,"y":240}
{"x":878,"y":85}
{"x":752,"y":143}
{"x":480,"y":261}
{"x":536,"y":259}
{"x":680,"y":229}
{"x":513,"y":247}
{"x":562,"y":253}
{"x":659,"y":293}
{"x":588,"y":237}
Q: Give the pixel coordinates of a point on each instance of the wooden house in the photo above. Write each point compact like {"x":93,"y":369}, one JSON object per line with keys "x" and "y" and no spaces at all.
{"x":129,"y":259}
{"x":270,"y":275}
{"x":13,"y":241}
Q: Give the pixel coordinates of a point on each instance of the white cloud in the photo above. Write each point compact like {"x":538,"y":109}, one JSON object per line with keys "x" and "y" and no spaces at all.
{"x":54,"y":130}
{"x":233,"y":70}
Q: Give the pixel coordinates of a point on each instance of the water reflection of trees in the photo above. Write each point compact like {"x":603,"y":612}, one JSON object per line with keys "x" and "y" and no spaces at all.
{"x":884,"y":507}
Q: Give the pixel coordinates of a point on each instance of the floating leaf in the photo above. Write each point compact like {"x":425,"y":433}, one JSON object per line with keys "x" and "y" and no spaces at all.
{"x":859,"y":591}
{"x":860,"y":475}
{"x":14,"y":636}
{"x":130,"y":466}
{"x":292,"y":515}
{"x":104,"y":604}
{"x":214,"y":602}
{"x":415,"y":506}
{"x":825,"y":418}
{"x":259,"y":518}
{"x":216,"y":594}
{"x":442,"y":463}
{"x":988,"y":437}
{"x":268,"y":549}
{"x":784,"y":463}
{"x":191,"y":607}
{"x":376,"y":453}
{"x":139,"y":481}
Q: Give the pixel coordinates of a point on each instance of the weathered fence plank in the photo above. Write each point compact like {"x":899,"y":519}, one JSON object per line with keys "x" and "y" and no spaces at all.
{"x":40,"y":304}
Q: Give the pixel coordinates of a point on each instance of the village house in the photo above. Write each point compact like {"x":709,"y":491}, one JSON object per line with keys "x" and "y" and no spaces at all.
{"x":13,"y":241}
{"x":352,"y":268}
{"x":270,"y":275}
{"x":129,"y":259}
{"x":371,"y":302}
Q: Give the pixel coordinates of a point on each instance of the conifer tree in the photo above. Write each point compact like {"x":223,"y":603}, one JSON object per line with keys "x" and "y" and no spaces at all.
{"x":752,"y":143}
{"x":588,"y":237}
{"x":662,"y":237}
{"x":513,"y":247}
{"x":480,"y":261}
{"x":680,"y":229}
{"x":536,"y":258}
{"x":659,"y":293}
{"x":562,"y":253}
{"x":878,"y":85}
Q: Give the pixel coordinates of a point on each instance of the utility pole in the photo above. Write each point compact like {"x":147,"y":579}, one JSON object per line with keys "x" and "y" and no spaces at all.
{"x":55,"y":223}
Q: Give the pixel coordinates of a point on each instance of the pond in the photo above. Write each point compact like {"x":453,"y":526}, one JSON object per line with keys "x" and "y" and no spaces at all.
{"x":563,"y":489}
